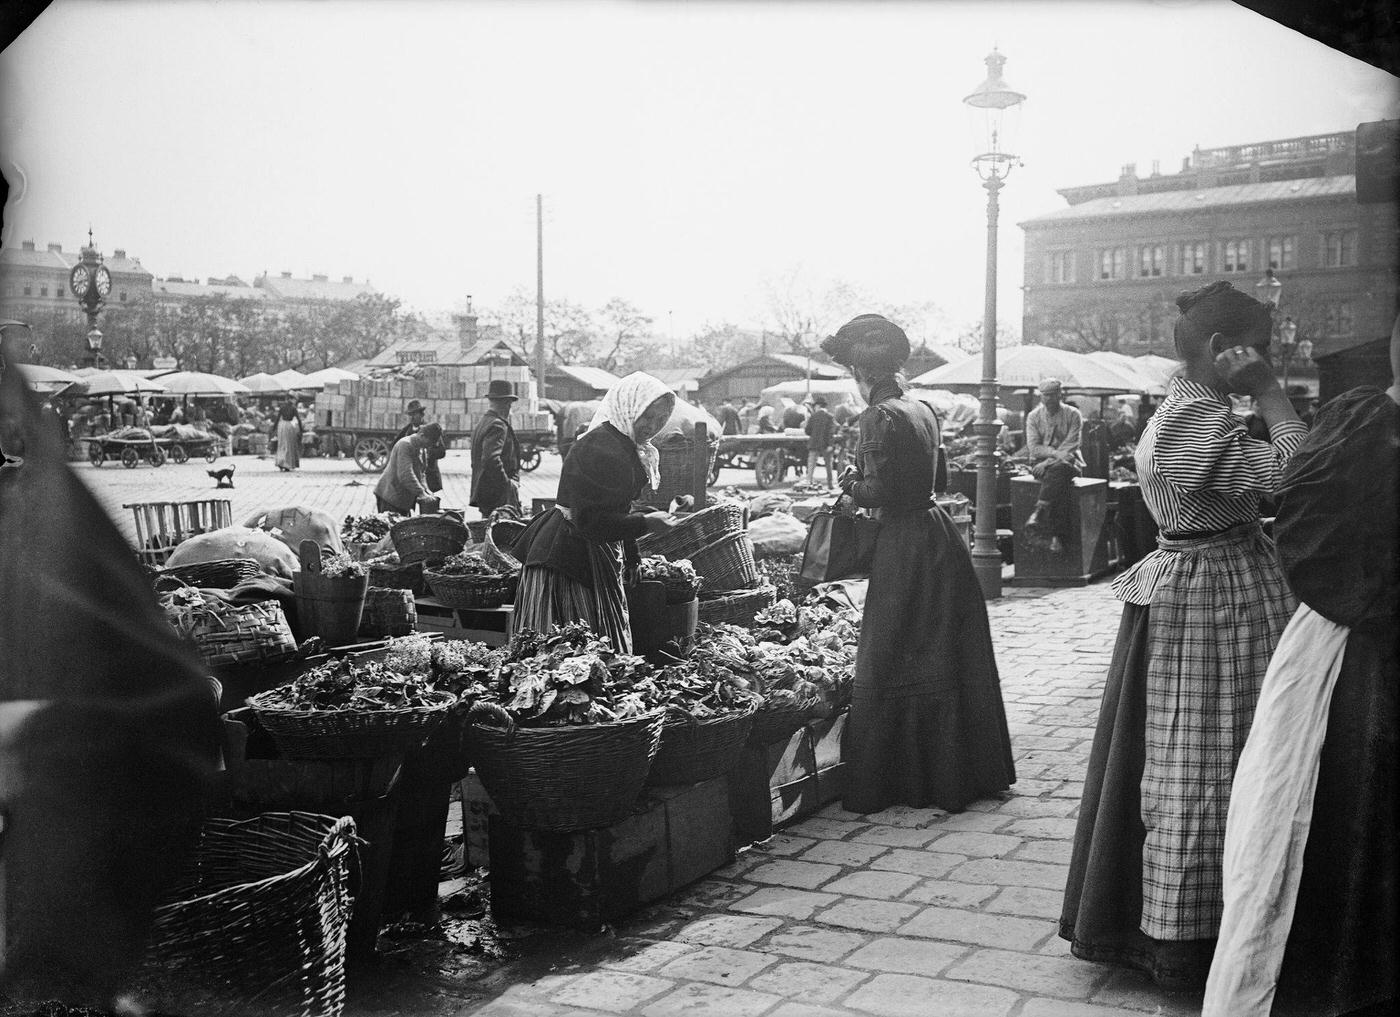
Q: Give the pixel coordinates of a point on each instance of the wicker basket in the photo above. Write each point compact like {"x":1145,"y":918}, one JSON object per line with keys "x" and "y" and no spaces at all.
{"x":504,"y":532}
{"x":349,"y":734}
{"x":389,"y":612}
{"x":694,"y":532}
{"x":397,"y":577}
{"x":476,"y":530}
{"x":469,"y":592}
{"x":677,"y":469}
{"x":775,"y":721}
{"x":259,"y":923}
{"x":562,"y":778}
{"x":223,"y":574}
{"x":737,"y":608}
{"x":696,"y":750}
{"x":727,"y":564}
{"x":243,"y":634}
{"x":427,"y":538}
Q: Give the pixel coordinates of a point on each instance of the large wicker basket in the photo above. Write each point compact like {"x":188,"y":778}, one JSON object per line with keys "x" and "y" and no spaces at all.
{"x":737,"y":608}
{"x":696,"y":750}
{"x":677,"y":469}
{"x":727,"y":564}
{"x":255,"y":633}
{"x":349,"y":734}
{"x":469,"y":592}
{"x":259,"y":923}
{"x":693,"y":533}
{"x":389,"y":612}
{"x":562,"y":778}
{"x":776,"y":721}
{"x":396,"y":577}
{"x":222,"y":574}
{"x":427,"y":538}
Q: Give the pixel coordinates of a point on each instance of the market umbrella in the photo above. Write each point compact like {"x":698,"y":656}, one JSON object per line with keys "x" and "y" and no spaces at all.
{"x":836,"y":390}
{"x":1145,"y":380}
{"x":1025,"y":367}
{"x":263,"y":383}
{"x":331,"y":375}
{"x":197,"y":383}
{"x":296,"y":381}
{"x":104,"y":383}
{"x":47,"y":379}
{"x":1164,"y":369}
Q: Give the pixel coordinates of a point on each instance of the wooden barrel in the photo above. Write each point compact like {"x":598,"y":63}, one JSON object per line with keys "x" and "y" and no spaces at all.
{"x":329,"y":607}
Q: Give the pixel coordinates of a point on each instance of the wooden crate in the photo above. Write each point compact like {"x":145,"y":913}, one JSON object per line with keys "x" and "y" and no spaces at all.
{"x":585,"y":878}
{"x":777,"y":784}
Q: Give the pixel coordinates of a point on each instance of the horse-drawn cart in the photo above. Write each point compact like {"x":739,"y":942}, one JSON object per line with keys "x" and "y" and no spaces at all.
{"x":769,"y":455}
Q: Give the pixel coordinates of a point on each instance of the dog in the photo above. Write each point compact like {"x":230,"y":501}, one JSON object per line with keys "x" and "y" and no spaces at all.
{"x":224,"y":477}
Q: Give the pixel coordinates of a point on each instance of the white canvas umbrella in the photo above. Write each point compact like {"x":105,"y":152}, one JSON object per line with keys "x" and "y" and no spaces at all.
{"x":1146,"y":382}
{"x":263,"y":383}
{"x":331,"y":375}
{"x":103,"y":383}
{"x":296,"y":381}
{"x":1021,"y":368}
{"x":197,"y":383}
{"x":41,"y":378}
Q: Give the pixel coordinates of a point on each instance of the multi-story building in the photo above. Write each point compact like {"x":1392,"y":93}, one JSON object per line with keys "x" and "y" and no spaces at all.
{"x":1103,"y":272}
{"x":34,"y":283}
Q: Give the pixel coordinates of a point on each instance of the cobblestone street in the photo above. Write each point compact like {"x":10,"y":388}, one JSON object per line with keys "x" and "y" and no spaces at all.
{"x":905,"y":912}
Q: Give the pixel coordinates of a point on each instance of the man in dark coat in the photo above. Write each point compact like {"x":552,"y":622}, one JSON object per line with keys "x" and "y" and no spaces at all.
{"x":729,"y":418}
{"x":495,"y":455}
{"x":435,"y":453}
{"x":821,"y":427}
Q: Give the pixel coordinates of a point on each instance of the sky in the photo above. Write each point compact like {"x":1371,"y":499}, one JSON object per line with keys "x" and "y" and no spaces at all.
{"x":693,"y":157}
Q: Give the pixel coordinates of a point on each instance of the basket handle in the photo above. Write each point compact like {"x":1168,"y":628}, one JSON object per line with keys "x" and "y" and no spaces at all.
{"x":493,"y":712}
{"x":310,"y":555}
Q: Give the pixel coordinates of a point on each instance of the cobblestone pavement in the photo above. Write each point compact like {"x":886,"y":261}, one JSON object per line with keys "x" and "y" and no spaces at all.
{"x":906,"y":912}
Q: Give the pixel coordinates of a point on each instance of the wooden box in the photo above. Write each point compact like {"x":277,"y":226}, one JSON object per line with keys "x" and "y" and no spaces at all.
{"x":588,"y":877}
{"x":1085,"y":555}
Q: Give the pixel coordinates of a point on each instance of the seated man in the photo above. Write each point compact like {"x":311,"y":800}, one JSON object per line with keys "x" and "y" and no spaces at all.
{"x":1052,"y":445}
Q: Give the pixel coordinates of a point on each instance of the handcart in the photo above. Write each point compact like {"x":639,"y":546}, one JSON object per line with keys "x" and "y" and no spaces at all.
{"x":129,"y":451}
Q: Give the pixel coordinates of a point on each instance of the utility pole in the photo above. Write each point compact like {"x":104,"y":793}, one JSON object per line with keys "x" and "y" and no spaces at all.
{"x":539,"y":294}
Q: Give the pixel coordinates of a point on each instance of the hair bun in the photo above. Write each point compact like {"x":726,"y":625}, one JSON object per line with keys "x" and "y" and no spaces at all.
{"x":1188,"y":299}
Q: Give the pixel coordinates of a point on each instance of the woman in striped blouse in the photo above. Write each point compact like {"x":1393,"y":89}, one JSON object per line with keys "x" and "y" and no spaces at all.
{"x":1201,"y":617}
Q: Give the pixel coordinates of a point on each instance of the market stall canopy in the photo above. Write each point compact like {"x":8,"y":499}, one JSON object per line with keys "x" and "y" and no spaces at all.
{"x":101,"y":383}
{"x":836,"y":391}
{"x":331,"y":375}
{"x":683,"y":420}
{"x":1021,"y":368}
{"x":197,"y":383}
{"x":47,"y":379}
{"x":296,"y":381}
{"x":263,"y":383}
{"x":1144,"y":378}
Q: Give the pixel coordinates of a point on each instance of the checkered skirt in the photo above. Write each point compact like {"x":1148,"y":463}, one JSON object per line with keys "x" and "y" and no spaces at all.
{"x":1218,"y":609}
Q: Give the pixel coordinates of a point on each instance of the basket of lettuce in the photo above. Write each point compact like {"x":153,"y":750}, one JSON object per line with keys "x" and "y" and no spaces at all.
{"x":467,"y":580}
{"x":678,"y":578}
{"x":708,"y":716}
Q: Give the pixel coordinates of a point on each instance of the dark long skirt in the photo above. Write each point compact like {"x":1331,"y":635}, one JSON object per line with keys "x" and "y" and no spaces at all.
{"x":1341,"y":953}
{"x":1102,"y":911}
{"x":927,"y":726}
{"x":546,"y":597}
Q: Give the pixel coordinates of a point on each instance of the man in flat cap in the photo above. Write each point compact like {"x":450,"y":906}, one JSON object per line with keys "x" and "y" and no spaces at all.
{"x":1052,"y":443}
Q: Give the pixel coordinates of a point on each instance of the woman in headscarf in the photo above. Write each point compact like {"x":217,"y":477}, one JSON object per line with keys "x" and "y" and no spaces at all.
{"x":1201,"y":617}
{"x":288,"y":436}
{"x":927,"y":726}
{"x":574,"y":555}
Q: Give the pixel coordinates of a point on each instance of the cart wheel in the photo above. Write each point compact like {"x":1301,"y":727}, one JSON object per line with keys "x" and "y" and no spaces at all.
{"x":178,"y":455}
{"x":95,"y":454}
{"x":211,"y":453}
{"x":530,"y":458}
{"x":371,"y":454}
{"x":158,"y":457}
{"x":768,"y":468}
{"x":130,"y":457}
{"x":714,"y":471}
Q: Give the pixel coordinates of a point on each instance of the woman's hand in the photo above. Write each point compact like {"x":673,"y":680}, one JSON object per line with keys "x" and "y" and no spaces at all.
{"x":1245,"y":372}
{"x":849,"y":476}
{"x":659,"y":522}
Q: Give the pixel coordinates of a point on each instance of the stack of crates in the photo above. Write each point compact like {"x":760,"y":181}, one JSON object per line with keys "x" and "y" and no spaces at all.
{"x":453,"y":396}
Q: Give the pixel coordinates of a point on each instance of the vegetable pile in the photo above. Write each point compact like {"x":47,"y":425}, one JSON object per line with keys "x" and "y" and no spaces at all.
{"x":467,"y":563}
{"x":366,"y":529}
{"x":679,"y":574}
{"x":351,"y":685}
{"x":341,"y":566}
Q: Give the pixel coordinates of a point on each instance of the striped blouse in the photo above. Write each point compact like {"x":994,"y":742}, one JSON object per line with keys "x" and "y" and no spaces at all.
{"x":1201,"y":472}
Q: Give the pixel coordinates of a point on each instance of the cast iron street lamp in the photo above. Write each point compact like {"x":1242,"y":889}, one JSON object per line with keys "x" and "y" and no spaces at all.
{"x":1289,"y":345}
{"x":995,"y":107}
{"x":91,"y":282}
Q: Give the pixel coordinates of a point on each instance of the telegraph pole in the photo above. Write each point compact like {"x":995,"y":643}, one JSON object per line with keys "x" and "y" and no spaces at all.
{"x":539,"y":294}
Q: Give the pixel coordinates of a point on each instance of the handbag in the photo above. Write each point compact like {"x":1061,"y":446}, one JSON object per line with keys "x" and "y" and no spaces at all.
{"x":840,"y":544}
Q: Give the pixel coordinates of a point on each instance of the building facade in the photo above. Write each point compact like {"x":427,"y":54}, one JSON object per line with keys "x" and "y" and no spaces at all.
{"x":1104,"y":272}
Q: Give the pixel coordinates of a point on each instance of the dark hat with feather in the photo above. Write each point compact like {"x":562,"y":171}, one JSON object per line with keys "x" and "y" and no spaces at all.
{"x":870,"y":342}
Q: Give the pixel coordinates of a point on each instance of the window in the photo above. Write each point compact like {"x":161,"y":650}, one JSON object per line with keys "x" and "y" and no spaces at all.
{"x":44,"y":291}
{"x":1193,"y":258}
{"x":1339,"y":249}
{"x":1281,"y":253}
{"x":122,"y":296}
{"x":1060,"y":267}
{"x":1113,"y":263}
{"x":1150,"y":261}
{"x":1338,"y":322}
{"x":28,"y":290}
{"x":1236,"y":256}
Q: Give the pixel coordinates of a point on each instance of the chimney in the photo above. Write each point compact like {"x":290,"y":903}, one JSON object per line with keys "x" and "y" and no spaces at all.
{"x":1186,"y":164}
{"x":286,"y":275}
{"x":120,"y":252}
{"x":56,"y":248}
{"x":1127,"y":180}
{"x":319,"y":278}
{"x":466,"y":327}
{"x":28,"y":245}
{"x":1156,"y":167}
{"x":347,"y":279}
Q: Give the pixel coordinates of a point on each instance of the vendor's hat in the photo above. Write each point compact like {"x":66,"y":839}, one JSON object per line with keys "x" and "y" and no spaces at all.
{"x":1051,"y":385}
{"x":414,"y":406}
{"x":500,"y":389}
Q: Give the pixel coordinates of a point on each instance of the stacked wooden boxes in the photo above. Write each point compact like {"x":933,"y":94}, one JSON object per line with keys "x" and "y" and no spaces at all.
{"x":454,"y":396}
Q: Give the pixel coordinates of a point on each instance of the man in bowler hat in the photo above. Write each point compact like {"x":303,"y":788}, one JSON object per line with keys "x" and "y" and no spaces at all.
{"x":435,"y":453}
{"x":495,"y":455}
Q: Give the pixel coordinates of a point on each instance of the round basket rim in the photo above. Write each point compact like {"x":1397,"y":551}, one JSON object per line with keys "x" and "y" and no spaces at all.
{"x":430,"y":574}
{"x":751,"y":709}
{"x":519,"y":728}
{"x":446,"y":701}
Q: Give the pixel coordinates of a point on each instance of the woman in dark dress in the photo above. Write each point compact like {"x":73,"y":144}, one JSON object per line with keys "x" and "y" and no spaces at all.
{"x":574,"y":555}
{"x":1311,"y":851}
{"x":927,"y":726}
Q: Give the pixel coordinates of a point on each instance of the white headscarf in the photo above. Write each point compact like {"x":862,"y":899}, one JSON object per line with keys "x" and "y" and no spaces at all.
{"x":624,"y":403}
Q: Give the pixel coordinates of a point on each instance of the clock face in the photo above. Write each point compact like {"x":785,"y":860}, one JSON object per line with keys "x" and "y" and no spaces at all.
{"x":78,"y":280}
{"x":104,"y":281}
